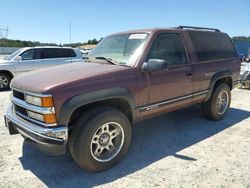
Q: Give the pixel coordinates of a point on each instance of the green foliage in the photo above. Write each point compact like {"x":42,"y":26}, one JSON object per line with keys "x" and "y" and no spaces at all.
{"x":19,"y":43}
{"x":241,"y":38}
{"x":93,"y":41}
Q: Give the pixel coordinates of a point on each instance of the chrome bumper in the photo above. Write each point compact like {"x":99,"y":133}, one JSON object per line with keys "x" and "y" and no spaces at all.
{"x":49,"y":140}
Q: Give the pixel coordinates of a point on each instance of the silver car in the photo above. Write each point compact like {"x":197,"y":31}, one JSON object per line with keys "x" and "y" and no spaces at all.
{"x":245,"y":74}
{"x":28,"y":59}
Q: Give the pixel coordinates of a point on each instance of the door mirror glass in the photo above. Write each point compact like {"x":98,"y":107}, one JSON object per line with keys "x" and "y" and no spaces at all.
{"x":19,"y":58}
{"x":155,"y":64}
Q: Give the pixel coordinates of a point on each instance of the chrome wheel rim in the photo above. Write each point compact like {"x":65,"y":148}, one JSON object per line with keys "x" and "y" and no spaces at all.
{"x":107,"y":142}
{"x":222,"y":102}
{"x":3,"y":82}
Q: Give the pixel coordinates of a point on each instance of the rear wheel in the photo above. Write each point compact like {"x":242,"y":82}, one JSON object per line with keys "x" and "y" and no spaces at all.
{"x":102,"y":141}
{"x":4,"y":81}
{"x":218,"y":104}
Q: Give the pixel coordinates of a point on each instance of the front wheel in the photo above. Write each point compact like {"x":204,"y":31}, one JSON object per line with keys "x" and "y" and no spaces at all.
{"x":218,"y":104}
{"x":4,"y":81}
{"x":102,"y":140}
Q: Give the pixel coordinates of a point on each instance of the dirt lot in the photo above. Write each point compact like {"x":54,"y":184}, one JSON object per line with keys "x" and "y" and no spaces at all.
{"x":180,"y":149}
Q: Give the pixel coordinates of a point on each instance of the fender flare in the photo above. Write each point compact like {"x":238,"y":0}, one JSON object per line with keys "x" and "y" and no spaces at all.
{"x":70,"y":105}
{"x":217,"y":76}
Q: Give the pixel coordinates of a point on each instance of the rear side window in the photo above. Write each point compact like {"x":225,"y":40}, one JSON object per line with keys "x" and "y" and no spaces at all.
{"x":212,"y":45}
{"x":169,"y":47}
{"x":48,"y":53}
{"x":57,"y":53}
{"x":68,"y":53}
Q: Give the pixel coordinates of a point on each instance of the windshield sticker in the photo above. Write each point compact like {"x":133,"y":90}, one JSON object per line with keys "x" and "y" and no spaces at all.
{"x":137,"y":36}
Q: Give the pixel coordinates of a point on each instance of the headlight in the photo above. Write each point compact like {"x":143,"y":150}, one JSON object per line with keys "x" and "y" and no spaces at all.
{"x":45,"y":118}
{"x":39,"y":101}
{"x":36,"y":116}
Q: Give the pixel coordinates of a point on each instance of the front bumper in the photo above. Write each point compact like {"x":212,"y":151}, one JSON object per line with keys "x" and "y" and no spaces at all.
{"x":49,"y":140}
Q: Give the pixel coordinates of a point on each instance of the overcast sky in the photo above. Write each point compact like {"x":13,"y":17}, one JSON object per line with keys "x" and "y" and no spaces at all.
{"x":48,"y":21}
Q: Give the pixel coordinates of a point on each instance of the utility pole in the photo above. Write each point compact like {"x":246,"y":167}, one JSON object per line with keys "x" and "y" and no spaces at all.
{"x":6,"y":32}
{"x":70,"y":33}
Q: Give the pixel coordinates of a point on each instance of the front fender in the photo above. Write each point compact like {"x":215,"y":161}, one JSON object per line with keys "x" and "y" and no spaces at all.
{"x":70,"y":105}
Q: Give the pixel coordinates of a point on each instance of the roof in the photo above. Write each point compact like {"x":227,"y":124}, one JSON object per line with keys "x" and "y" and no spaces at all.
{"x":26,"y":48}
{"x":150,"y":30}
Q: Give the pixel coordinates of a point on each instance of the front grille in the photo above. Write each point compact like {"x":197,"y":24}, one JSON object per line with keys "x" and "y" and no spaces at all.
{"x":18,"y":94}
{"x":20,"y":110}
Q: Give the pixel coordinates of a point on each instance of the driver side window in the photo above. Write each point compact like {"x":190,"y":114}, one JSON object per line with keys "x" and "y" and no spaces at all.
{"x":27,"y":55}
{"x":168,"y":47}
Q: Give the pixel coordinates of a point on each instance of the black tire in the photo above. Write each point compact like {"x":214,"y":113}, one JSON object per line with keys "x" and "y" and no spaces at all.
{"x":209,"y":107}
{"x":4,"y":81}
{"x":84,"y":130}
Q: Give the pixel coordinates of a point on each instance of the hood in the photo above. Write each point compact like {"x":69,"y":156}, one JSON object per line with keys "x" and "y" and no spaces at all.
{"x":44,"y":80}
{"x":4,"y":61}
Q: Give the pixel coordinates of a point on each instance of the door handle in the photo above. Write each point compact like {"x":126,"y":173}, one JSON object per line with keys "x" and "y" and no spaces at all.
{"x":188,"y":72}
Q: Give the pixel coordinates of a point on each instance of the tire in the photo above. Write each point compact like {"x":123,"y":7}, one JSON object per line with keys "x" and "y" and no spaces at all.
{"x":4,"y":81}
{"x":107,"y":130}
{"x":212,"y":108}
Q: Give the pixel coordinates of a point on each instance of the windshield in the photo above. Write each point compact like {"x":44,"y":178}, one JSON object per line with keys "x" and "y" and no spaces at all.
{"x":123,"y":49}
{"x":11,"y":56}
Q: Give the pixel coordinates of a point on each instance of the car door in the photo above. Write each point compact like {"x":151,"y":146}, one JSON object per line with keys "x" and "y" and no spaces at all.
{"x":50,"y":57}
{"x":29,"y":61}
{"x":169,"y":88}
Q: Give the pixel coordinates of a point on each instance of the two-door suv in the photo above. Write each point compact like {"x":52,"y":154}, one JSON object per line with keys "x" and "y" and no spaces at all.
{"x":128,"y":77}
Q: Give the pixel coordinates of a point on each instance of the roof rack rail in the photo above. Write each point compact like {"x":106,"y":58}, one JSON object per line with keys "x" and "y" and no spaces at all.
{"x":200,"y":28}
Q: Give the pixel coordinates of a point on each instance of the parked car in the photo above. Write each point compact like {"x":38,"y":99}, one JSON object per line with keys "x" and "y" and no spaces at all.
{"x":245,"y":75}
{"x":85,"y":51}
{"x":247,"y":59}
{"x":242,"y":57}
{"x":27,"y":59}
{"x":128,"y":77}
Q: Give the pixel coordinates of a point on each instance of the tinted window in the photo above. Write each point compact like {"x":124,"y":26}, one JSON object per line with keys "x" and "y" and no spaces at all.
{"x":48,"y":53}
{"x":57,"y":53}
{"x":168,"y":47}
{"x":68,"y":53}
{"x":212,"y":45}
{"x":37,"y":54}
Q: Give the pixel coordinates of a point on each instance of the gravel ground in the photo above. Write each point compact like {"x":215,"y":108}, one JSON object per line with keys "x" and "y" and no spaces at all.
{"x":179,"y":149}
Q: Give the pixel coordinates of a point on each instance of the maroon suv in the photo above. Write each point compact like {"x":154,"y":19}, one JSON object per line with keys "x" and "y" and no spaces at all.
{"x":128,"y":77}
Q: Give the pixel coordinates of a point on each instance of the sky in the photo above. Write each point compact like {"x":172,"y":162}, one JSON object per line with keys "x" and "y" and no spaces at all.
{"x":48,"y":20}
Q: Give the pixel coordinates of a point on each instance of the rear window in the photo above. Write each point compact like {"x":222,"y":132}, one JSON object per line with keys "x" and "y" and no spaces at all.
{"x":212,"y":45}
{"x":68,"y":53}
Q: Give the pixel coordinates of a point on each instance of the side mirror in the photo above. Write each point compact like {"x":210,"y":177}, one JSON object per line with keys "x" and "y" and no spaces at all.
{"x":19,"y":58}
{"x":155,"y":64}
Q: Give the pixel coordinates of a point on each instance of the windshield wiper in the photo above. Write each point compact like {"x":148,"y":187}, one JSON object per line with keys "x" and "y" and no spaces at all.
{"x":109,"y":60}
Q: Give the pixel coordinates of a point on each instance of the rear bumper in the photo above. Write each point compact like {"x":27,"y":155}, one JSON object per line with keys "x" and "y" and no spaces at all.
{"x":49,"y":140}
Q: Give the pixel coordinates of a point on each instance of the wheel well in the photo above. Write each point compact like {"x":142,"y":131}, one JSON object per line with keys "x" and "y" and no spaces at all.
{"x":120,"y":104}
{"x":228,"y":80}
{"x":7,"y":72}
